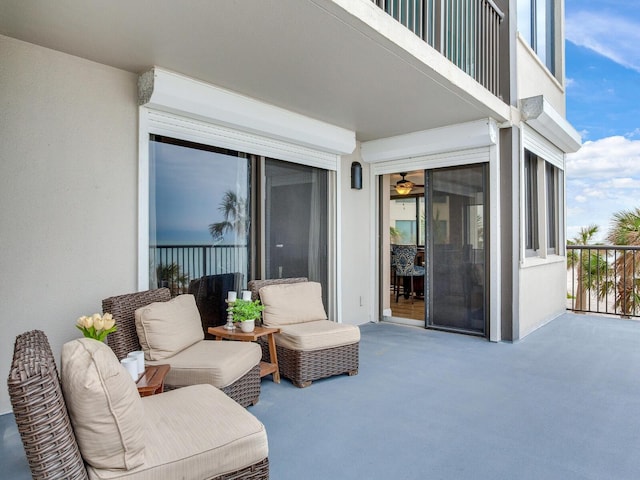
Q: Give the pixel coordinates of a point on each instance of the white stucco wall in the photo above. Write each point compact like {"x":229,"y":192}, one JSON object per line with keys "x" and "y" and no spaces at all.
{"x":68,"y":192}
{"x":356,"y":233}
{"x":534,"y":79}
{"x":543,"y":294}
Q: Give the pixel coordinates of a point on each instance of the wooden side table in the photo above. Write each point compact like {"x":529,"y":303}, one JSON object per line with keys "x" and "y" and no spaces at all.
{"x":152,"y":380}
{"x":265,"y":367}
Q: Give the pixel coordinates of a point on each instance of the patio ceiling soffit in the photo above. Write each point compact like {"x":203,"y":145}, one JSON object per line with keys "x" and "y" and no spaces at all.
{"x":542,"y":117}
{"x":167,"y":91}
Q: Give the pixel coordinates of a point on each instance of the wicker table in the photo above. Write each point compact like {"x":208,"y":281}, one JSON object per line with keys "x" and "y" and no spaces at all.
{"x":265,"y":367}
{"x":152,"y":380}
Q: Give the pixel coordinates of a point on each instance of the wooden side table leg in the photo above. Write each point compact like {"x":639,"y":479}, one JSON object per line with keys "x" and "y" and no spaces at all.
{"x":273,"y":357}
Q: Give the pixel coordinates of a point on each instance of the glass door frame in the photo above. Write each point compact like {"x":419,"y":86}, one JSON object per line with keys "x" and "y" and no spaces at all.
{"x":429,"y":251}
{"x":489,"y":153}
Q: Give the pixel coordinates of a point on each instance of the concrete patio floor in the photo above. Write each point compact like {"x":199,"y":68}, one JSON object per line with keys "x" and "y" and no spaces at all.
{"x":564,"y":403}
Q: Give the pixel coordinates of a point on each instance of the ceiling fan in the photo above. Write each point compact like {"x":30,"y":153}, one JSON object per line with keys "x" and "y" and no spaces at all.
{"x":404,"y":186}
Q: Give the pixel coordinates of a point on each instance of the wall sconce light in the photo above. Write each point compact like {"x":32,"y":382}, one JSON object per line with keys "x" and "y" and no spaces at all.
{"x":356,"y":176}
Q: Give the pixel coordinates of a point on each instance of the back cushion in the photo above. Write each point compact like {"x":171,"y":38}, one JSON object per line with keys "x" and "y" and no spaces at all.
{"x":166,"y":328}
{"x":104,"y":405}
{"x":291,"y":303}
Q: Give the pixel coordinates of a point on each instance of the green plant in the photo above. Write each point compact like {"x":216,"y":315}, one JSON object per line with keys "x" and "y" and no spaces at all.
{"x":396,"y":235}
{"x":591,"y":266}
{"x":171,"y":277}
{"x":244,"y":310}
{"x":625,"y":230}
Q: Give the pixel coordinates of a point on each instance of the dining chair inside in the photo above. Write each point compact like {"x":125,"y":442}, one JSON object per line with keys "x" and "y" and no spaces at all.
{"x":404,"y":259}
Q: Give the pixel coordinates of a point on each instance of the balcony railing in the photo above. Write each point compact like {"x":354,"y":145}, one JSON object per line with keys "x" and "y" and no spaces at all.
{"x":604,"y":279}
{"x":174,"y":266}
{"x":467,"y":32}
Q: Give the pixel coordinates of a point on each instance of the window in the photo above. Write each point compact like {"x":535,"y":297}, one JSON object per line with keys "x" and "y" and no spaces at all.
{"x":536,"y":24}
{"x":552,"y":207}
{"x":542,"y":203}
{"x":199,"y":213}
{"x":531,"y":202}
{"x":407,"y":220}
{"x":205,"y":219}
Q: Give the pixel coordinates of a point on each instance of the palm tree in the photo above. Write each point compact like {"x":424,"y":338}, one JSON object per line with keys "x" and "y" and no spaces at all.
{"x":625,"y":230}
{"x":591,"y":267}
{"x":170,"y":276}
{"x":234,"y":209}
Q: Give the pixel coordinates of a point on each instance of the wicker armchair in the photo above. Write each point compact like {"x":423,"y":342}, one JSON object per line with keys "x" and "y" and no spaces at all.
{"x":210,"y":293}
{"x":245,"y":390}
{"x":43,"y":420}
{"x":303,"y":367}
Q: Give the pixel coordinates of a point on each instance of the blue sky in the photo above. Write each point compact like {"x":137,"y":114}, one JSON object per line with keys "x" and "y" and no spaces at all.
{"x":603,"y":104}
{"x":189,"y":186}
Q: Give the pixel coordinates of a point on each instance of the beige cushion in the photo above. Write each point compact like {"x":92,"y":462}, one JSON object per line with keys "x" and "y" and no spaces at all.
{"x":195,"y":432}
{"x":166,"y":328}
{"x":289,"y":303}
{"x":209,"y":361}
{"x":103,"y":402}
{"x":317,"y":335}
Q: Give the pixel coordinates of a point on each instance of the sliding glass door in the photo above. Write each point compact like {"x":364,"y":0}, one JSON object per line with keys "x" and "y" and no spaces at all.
{"x":199,"y":214}
{"x":296,"y":222}
{"x":218,"y":218}
{"x":456,"y":249}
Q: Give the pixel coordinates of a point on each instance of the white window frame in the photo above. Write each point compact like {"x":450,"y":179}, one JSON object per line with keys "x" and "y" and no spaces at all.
{"x":546,"y":153}
{"x":537,"y":28}
{"x":183,"y":108}
{"x":463,"y":144}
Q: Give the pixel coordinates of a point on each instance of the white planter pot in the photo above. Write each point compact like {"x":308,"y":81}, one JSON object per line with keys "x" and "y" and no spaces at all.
{"x":247,"y":326}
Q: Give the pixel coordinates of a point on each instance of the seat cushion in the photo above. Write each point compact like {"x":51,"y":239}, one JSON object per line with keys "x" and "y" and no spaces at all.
{"x":213,"y":362}
{"x":289,"y":303}
{"x":104,"y":406}
{"x":166,"y":328}
{"x":195,"y":432}
{"x":317,"y":335}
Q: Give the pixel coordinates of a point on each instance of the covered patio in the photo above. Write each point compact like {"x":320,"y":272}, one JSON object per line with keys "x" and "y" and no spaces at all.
{"x":564,"y":403}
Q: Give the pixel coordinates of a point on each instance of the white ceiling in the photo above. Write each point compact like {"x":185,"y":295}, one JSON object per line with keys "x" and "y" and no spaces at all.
{"x":309,"y":56}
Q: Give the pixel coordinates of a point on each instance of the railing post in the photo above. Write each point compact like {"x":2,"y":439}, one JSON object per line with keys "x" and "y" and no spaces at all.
{"x":204,"y":260}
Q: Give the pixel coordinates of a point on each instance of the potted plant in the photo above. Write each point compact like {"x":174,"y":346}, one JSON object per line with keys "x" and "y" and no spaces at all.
{"x":246,"y":312}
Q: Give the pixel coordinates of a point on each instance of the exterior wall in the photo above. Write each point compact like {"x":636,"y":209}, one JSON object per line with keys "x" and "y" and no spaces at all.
{"x":509,"y":231}
{"x":543,"y":294}
{"x":534,"y":79}
{"x":357,"y":273}
{"x":68,"y":191}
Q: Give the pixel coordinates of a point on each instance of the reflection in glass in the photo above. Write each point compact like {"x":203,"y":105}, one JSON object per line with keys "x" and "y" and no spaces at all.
{"x":199,"y":216}
{"x":296,"y":222}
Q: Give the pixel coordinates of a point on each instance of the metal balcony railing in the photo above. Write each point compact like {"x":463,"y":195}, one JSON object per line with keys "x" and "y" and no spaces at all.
{"x":174,"y":266}
{"x":604,"y":279}
{"x":467,"y":32}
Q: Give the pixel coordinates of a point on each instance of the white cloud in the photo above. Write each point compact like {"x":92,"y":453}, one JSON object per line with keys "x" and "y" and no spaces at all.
{"x":635,"y":133}
{"x":621,"y":183}
{"x":603,"y":178}
{"x":612,"y":36}
{"x":610,"y":157}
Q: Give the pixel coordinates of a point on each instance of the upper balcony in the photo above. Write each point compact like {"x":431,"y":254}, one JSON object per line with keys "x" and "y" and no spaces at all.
{"x":345,"y":62}
{"x":467,"y":32}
